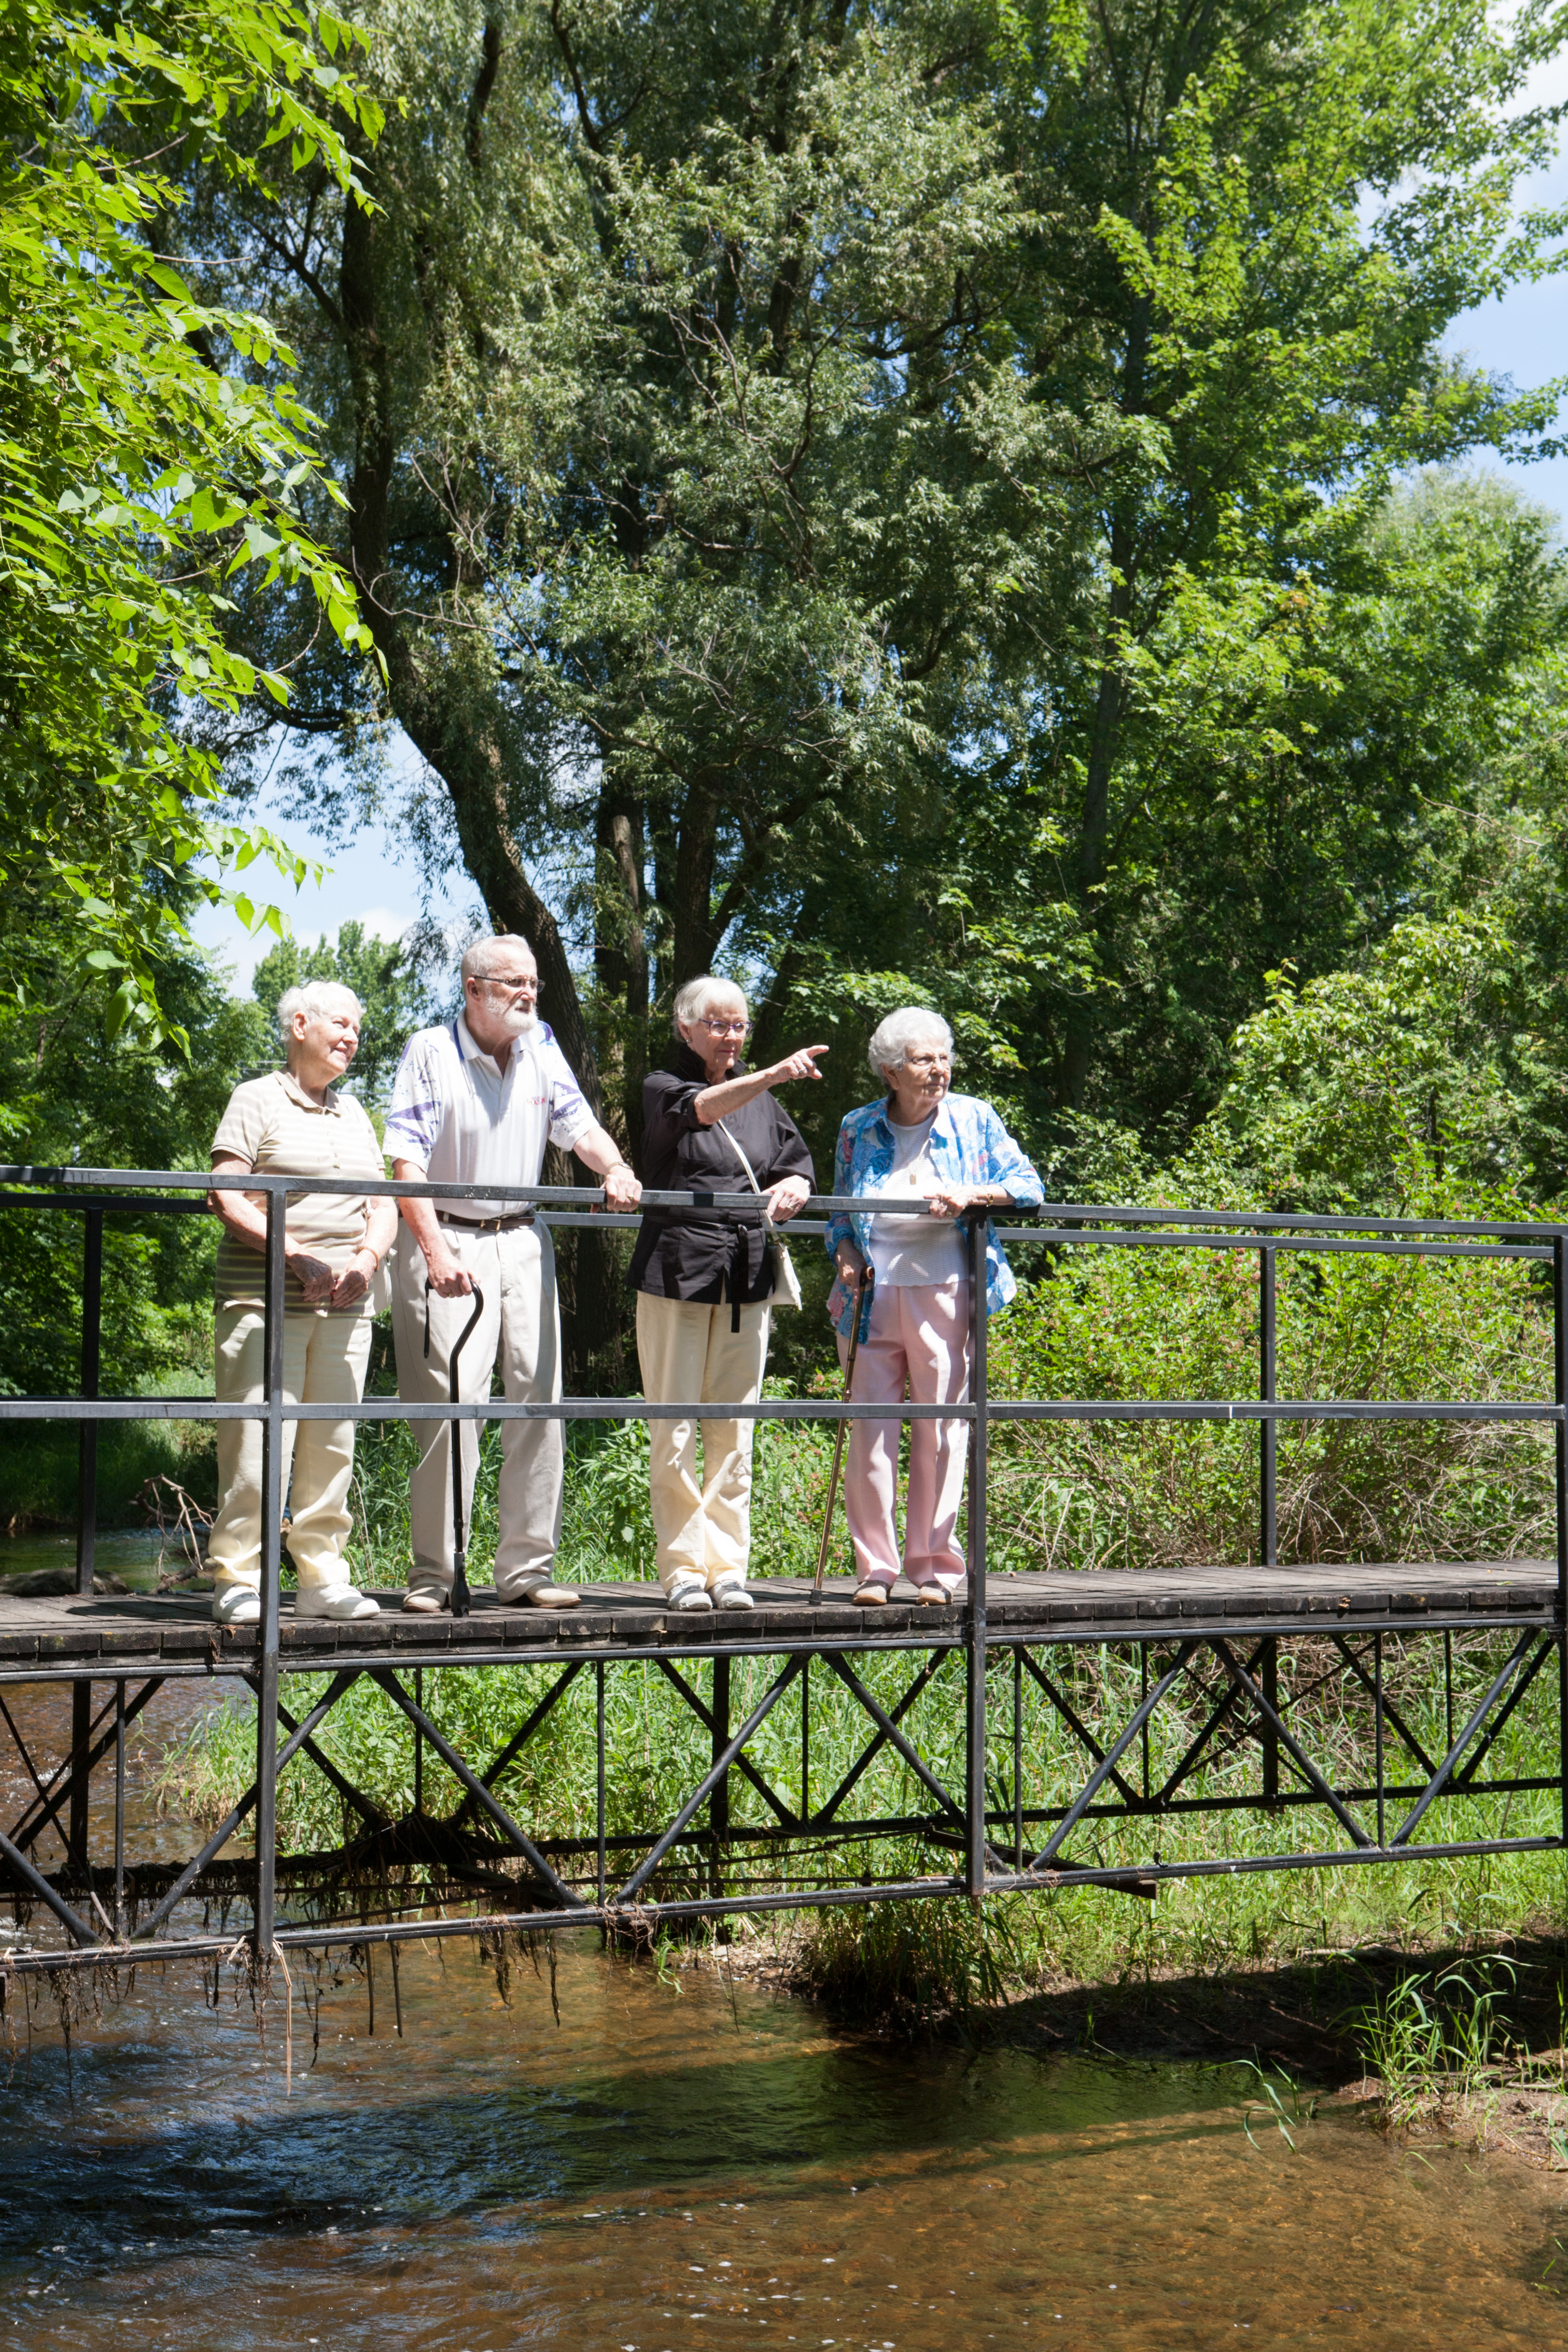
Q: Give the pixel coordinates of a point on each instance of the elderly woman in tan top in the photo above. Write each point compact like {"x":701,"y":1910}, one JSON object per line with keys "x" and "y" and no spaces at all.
{"x":294,"y":1122}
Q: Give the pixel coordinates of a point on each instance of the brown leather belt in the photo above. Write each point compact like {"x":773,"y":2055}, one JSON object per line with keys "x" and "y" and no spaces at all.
{"x":507,"y":1224}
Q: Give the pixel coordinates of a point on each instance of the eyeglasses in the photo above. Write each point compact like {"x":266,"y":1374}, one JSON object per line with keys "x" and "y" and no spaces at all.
{"x":513,"y":984}
{"x":724,"y":1028}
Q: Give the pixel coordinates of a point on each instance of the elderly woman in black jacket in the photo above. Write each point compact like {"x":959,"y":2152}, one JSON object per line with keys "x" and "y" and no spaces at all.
{"x":704,"y":1279}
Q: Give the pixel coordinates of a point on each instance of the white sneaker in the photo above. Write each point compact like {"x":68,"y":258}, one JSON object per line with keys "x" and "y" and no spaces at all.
{"x":730,"y":1592}
{"x":237,"y":1604}
{"x":340,"y":1601}
{"x":688,"y":1592}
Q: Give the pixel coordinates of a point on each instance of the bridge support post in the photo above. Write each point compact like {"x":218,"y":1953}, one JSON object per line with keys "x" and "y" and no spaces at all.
{"x":975,"y":1755}
{"x":719,"y":1803}
{"x":1268,"y":1513}
{"x":1560,"y":1365}
{"x":271,"y":1576}
{"x":87,"y":1520}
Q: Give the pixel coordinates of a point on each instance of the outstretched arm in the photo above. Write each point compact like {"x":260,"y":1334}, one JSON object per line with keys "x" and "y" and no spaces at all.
{"x":714,"y":1103}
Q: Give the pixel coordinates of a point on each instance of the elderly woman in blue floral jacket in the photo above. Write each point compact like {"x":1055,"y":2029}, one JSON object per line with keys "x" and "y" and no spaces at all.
{"x":950,"y":1152}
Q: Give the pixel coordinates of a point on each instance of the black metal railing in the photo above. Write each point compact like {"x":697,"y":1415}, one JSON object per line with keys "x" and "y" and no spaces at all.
{"x":98,"y":1193}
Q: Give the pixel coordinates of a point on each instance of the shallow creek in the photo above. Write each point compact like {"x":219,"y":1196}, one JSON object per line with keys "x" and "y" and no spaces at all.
{"x":664,"y":2168}
{"x":660,"y":2170}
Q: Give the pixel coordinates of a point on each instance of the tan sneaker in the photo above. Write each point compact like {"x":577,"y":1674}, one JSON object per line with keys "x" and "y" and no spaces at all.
{"x":425,"y":1600}
{"x":543,"y":1595}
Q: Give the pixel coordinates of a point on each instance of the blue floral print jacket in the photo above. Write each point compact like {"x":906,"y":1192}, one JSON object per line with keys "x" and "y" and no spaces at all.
{"x":969,"y":1145}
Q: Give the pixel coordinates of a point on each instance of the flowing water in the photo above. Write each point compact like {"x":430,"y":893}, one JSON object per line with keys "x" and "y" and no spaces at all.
{"x":658,"y":2169}
{"x":131,"y":1554}
{"x":607,"y":2161}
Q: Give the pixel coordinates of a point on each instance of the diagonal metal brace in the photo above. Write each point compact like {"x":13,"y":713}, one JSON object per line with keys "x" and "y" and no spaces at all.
{"x":889,"y":1730}
{"x":1223,"y":1706}
{"x":34,"y":1822}
{"x":369,"y":1813}
{"x":1434,"y":1788}
{"x":1071,"y":1718}
{"x":1104,"y":1770}
{"x":46,"y":1893}
{"x":709,"y":1782}
{"x":1463,"y":1779}
{"x":521,"y":1843}
{"x":1294,"y":1748}
{"x":823,"y":1817}
{"x":783,"y":1813}
{"x":1390,"y":1712}
{"x":226,"y":1828}
{"x":519,"y":1739}
{"x":1298,"y":1755}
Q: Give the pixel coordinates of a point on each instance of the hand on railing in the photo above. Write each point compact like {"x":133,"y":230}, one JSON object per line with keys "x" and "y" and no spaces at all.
{"x":786,"y":1197}
{"x":957,"y":1200}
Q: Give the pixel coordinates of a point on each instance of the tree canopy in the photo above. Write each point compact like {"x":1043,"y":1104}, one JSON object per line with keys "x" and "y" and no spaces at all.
{"x":939,"y":499}
{"x":150,"y":448}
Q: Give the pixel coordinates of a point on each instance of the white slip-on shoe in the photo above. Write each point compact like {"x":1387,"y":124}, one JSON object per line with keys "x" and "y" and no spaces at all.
{"x":730,"y":1592}
{"x":688,"y":1592}
{"x":425,"y":1599}
{"x":340,"y":1601}
{"x":237,"y":1604}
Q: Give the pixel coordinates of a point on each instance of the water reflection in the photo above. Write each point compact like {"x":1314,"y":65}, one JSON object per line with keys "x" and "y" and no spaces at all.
{"x":663,"y":2170}
{"x":134,"y":1555}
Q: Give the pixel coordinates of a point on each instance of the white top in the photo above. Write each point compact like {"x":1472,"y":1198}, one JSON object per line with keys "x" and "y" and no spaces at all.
{"x":458,"y":1121}
{"x":905,"y":1251}
{"x":276,"y":1129}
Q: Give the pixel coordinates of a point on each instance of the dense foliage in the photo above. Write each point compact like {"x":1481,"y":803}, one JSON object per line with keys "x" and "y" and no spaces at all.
{"x":149,"y":449}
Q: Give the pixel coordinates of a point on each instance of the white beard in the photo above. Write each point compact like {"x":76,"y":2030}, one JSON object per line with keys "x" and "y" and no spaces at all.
{"x":518,"y":1022}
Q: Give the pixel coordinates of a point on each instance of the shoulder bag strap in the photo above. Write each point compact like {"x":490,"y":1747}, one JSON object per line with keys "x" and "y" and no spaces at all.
{"x":750,"y":1171}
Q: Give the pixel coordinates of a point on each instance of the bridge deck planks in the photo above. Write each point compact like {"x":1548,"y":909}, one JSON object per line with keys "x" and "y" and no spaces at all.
{"x":173,"y":1634}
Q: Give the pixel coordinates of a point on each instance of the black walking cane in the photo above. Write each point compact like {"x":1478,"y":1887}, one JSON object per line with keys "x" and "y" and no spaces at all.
{"x":460,"y":1602}
{"x":860,"y":1280}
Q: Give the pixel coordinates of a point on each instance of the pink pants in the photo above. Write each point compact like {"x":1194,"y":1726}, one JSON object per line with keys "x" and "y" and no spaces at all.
{"x":918,"y":1345}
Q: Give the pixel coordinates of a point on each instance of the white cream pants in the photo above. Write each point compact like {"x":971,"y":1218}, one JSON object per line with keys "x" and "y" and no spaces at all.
{"x":519,"y":1330}
{"x":688,"y":1353}
{"x":324,"y":1360}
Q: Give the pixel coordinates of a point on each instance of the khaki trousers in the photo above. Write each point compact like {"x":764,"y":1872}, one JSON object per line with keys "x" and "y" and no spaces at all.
{"x":324,"y":1360}
{"x":519,"y":1330}
{"x":688,"y":1352}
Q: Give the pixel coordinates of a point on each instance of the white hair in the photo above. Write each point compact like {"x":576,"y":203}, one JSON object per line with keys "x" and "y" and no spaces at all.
{"x":314,"y":999}
{"x":698,"y":995}
{"x":486,"y":956}
{"x":891,"y":1038}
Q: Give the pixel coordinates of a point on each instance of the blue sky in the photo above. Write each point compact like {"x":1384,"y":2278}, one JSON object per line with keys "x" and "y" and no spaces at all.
{"x":378,"y":882}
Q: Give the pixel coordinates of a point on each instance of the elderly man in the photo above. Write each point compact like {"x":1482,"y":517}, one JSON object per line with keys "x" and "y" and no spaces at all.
{"x":475,"y":1103}
{"x":294,"y":1122}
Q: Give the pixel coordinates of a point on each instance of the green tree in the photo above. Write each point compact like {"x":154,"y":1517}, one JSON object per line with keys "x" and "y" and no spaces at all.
{"x":149,"y":449}
{"x":1256,"y":225}
{"x":71,"y":1093}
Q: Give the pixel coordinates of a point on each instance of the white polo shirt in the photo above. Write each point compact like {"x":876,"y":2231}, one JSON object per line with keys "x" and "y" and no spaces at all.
{"x":459,"y":1121}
